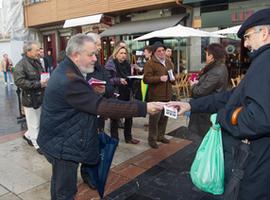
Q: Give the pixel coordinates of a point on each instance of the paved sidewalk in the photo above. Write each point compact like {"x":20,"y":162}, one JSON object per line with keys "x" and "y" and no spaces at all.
{"x":26,"y":175}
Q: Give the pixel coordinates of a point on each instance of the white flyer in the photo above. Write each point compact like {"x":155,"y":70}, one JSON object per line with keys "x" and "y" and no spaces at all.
{"x":44,"y":76}
{"x":170,"y":112}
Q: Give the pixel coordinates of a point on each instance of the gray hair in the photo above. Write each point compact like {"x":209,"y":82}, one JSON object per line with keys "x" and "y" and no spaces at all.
{"x":76,"y":43}
{"x":257,"y":28}
{"x":28,"y":45}
{"x":94,"y":36}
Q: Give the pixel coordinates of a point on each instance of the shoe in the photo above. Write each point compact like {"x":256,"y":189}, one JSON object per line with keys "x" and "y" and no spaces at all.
{"x":5,"y":83}
{"x":153,"y":144}
{"x":11,"y":83}
{"x":29,"y":142}
{"x":39,"y":151}
{"x":133,"y":141}
{"x":164,"y":140}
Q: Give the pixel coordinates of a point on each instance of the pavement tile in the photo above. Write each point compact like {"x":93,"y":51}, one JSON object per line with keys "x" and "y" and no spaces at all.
{"x":9,"y":196}
{"x":41,"y":192}
{"x":16,"y":178}
{"x":131,"y":171}
{"x":3,"y":191}
{"x":114,"y":182}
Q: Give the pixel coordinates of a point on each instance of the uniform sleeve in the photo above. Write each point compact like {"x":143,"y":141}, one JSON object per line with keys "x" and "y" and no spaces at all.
{"x":21,"y":80}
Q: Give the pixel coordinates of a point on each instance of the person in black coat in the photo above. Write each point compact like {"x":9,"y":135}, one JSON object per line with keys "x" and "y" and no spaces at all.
{"x":244,"y":113}
{"x":213,"y":78}
{"x":68,"y":126}
{"x":119,"y":69}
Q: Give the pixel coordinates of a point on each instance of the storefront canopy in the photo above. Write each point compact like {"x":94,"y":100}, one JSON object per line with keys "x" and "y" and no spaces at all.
{"x":231,"y":30}
{"x":93,"y":19}
{"x":178,"y":31}
{"x":145,"y":26}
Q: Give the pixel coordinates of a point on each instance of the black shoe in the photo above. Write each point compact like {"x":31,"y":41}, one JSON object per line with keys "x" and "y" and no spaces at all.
{"x":153,"y":144}
{"x":28,"y":140}
{"x":164,"y":140}
{"x":39,"y":151}
{"x":133,"y":141}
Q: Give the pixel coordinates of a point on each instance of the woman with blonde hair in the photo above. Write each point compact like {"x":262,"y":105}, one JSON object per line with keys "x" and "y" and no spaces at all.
{"x":119,"y":69}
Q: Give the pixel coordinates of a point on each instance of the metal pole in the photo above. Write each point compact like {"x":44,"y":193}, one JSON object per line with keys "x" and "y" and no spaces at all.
{"x":178,"y":55}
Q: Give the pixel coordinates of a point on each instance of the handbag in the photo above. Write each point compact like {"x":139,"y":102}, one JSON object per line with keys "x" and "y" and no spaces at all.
{"x":207,"y":170}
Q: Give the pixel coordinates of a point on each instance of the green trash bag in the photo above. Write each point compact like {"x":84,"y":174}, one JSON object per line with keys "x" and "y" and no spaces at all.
{"x":207,"y":170}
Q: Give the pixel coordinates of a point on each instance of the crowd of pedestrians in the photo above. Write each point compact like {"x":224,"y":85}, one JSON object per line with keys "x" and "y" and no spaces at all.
{"x":64,"y":113}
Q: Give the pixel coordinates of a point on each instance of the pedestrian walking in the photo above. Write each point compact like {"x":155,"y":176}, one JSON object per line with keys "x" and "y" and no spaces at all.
{"x":6,"y":68}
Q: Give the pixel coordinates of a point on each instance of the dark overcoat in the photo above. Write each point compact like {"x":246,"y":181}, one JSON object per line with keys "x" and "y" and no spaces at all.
{"x":253,"y":124}
{"x":213,"y":79}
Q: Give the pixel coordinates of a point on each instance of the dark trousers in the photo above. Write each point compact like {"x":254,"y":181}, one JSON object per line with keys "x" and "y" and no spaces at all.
{"x":64,"y":179}
{"x":127,"y":128}
{"x":157,"y":126}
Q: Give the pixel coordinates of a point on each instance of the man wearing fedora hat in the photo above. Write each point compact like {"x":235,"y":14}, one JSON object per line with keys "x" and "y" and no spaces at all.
{"x":159,"y":89}
{"x":244,"y":117}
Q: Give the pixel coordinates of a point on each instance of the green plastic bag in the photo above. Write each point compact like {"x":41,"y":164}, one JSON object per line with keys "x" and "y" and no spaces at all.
{"x":207,"y":170}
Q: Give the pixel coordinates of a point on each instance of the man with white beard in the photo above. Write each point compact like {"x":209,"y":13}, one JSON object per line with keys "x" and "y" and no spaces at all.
{"x":68,"y":133}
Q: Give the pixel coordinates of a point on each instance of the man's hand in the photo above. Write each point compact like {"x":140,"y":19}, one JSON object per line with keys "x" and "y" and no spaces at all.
{"x":191,"y":83}
{"x":100,"y":89}
{"x":44,"y":83}
{"x":123,"y":81}
{"x":164,"y":78}
{"x":182,"y":107}
{"x":154,"y":107}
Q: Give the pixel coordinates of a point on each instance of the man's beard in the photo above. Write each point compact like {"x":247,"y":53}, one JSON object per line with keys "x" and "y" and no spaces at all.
{"x":87,"y":70}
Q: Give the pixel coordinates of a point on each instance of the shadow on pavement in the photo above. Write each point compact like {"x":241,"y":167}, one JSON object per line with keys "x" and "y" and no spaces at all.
{"x":168,"y":180}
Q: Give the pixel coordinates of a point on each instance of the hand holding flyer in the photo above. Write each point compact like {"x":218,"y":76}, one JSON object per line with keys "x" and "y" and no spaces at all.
{"x":170,"y":112}
{"x":44,"y":76}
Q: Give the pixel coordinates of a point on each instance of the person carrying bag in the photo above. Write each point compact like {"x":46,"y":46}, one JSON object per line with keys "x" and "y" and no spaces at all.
{"x":207,"y":170}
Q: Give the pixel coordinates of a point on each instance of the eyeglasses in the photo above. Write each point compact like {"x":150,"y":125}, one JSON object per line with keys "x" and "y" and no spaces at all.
{"x":247,"y":35}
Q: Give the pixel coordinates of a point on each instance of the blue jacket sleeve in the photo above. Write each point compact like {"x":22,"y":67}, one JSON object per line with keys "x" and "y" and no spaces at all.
{"x":211,"y":103}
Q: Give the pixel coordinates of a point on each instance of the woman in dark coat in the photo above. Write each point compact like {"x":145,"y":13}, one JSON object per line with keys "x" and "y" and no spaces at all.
{"x":119,"y":69}
{"x":213,"y":78}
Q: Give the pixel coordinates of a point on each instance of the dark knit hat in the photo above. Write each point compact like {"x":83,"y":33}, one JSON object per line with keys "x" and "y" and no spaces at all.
{"x":261,"y":17}
{"x":157,"y":45}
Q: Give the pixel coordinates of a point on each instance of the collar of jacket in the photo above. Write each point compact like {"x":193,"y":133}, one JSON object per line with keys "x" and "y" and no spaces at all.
{"x":157,"y":61}
{"x":257,"y":52}
{"x":70,"y":63}
{"x":210,"y":66}
{"x":31,"y":60}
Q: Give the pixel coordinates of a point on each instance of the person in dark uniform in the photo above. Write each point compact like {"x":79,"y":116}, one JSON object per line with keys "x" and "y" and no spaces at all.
{"x":244,"y":113}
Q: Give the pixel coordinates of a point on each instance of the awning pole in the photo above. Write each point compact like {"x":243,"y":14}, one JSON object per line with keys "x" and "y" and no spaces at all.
{"x":178,"y":55}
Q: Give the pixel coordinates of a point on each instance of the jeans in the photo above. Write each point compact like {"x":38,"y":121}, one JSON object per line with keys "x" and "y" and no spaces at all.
{"x":7,"y":75}
{"x":64,"y":178}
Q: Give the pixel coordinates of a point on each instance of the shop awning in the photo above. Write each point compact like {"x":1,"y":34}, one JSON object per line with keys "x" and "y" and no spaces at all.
{"x":93,"y":19}
{"x":145,"y":26}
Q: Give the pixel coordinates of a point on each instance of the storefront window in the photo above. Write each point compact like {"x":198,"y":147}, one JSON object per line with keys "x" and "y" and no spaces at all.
{"x":204,"y":43}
